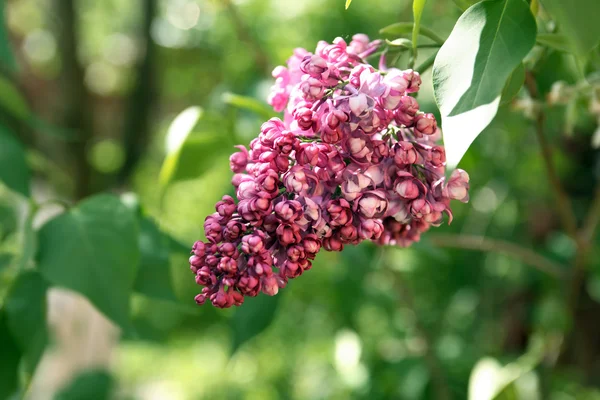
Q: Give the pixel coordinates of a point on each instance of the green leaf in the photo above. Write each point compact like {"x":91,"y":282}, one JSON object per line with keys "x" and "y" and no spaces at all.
{"x":93,"y":249}
{"x":9,"y":360}
{"x":554,"y":41}
{"x":88,"y":385}
{"x":404,"y":28}
{"x":12,"y":100}
{"x":513,"y":85}
{"x":418,"y":6}
{"x":154,"y":274}
{"x":578,"y":20}
{"x":14,"y":171}
{"x":25,"y":308}
{"x":487,"y":43}
{"x":248,"y":103}
{"x":253,"y":317}
{"x":348,"y":3}
{"x":191,"y":150}
{"x":7,"y":59}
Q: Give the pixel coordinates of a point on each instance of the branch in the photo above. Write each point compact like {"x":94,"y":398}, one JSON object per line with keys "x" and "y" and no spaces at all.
{"x":244,"y":35}
{"x":563,"y":203}
{"x":480,"y":243}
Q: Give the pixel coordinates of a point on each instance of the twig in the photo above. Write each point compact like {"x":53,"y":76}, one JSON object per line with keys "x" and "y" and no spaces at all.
{"x":480,"y":243}
{"x":244,"y":35}
{"x":563,"y":203}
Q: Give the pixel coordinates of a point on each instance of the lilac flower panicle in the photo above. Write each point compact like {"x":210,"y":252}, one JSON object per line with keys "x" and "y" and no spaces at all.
{"x":353,"y":159}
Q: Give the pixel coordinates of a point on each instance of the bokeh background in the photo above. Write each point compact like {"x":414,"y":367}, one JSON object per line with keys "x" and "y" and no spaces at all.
{"x":365,"y":323}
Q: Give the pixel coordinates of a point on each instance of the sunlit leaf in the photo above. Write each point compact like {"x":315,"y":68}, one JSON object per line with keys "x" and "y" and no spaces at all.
{"x":25,"y":308}
{"x":348,"y":3}
{"x":194,"y":141}
{"x":487,"y":43}
{"x":88,"y":385}
{"x":14,"y":171}
{"x":251,"y":104}
{"x":9,"y":360}
{"x":253,"y":317}
{"x":513,"y":84}
{"x":154,"y":273}
{"x":578,"y":20}
{"x":485,"y":379}
{"x":93,"y":249}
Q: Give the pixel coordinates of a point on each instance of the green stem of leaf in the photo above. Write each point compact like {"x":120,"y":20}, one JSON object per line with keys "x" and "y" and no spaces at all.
{"x":425,"y":65}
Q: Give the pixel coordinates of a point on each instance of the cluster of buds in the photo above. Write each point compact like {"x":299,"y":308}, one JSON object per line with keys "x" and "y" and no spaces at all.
{"x":353,"y":159}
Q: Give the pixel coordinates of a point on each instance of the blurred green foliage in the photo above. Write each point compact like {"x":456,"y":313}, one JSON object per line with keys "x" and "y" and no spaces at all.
{"x":418,"y":323}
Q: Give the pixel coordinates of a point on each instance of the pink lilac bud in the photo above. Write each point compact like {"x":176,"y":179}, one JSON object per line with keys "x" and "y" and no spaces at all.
{"x":406,"y":111}
{"x":304,"y":116}
{"x":425,"y":124}
{"x":288,"y":210}
{"x":339,"y":212}
{"x":414,"y":80}
{"x":239,"y":160}
{"x":373,"y":204}
{"x":226,"y":207}
{"x":404,"y":154}
{"x":438,"y":156}
{"x":458,"y":186}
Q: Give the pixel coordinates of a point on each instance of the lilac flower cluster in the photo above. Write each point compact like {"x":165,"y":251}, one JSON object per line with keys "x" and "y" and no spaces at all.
{"x":353,"y":159}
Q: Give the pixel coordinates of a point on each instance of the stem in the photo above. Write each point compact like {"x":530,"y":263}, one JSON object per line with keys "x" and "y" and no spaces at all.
{"x":563,"y":203}
{"x":425,"y":65}
{"x":480,"y":243}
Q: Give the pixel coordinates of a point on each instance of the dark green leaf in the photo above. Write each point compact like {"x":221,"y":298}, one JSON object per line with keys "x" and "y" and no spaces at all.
{"x":248,"y":103}
{"x":405,"y":28}
{"x":26,"y":314}
{"x":88,"y":385}
{"x":14,"y":171}
{"x":93,"y":249}
{"x":154,"y":274}
{"x":487,"y":43}
{"x":12,"y":100}
{"x":9,"y":359}
{"x":554,"y":41}
{"x":5,"y":261}
{"x":7,"y":60}
{"x":513,"y":84}
{"x":506,"y":34}
{"x":253,"y":317}
{"x":194,"y":141}
{"x":578,"y":20}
